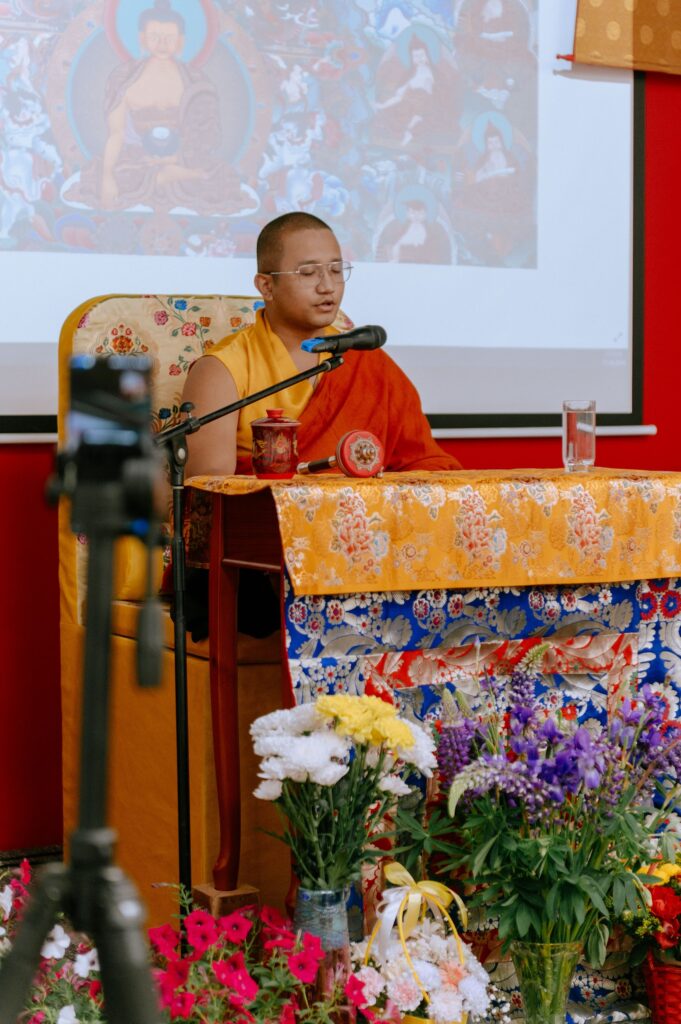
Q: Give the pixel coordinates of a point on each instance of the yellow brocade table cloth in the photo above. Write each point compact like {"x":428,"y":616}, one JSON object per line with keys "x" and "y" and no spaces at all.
{"x":469,"y":529}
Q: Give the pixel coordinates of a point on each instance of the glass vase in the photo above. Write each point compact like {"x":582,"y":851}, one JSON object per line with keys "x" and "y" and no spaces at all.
{"x":545,"y":971}
{"x":324,"y":913}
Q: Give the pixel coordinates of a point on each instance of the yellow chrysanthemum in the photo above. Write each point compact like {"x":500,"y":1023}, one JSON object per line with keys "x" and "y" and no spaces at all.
{"x":662,"y":872}
{"x":367,"y":720}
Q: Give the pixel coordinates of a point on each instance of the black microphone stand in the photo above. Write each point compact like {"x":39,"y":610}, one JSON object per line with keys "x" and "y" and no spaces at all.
{"x":176,"y":452}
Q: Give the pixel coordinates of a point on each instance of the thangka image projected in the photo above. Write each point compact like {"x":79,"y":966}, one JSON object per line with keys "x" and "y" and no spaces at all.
{"x":179,"y":127}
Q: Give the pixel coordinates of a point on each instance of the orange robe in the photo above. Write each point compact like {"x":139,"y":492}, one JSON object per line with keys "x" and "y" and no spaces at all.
{"x":368,"y":392}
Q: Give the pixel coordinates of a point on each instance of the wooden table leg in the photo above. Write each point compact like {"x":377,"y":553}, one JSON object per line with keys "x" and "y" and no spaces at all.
{"x":224,"y":703}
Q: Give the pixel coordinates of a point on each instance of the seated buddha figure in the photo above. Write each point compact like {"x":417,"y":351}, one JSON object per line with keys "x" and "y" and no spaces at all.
{"x":163,"y":136}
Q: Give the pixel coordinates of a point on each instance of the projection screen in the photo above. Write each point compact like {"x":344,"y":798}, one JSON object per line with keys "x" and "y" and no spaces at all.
{"x":482,"y":188}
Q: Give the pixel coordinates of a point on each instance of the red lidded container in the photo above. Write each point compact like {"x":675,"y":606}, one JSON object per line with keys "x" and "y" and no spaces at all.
{"x":275,"y":446}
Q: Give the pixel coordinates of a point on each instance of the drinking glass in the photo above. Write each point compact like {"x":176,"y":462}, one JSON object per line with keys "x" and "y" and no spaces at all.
{"x":579,"y":435}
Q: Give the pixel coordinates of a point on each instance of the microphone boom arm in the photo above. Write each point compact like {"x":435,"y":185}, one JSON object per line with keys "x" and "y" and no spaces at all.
{"x":176,"y":451}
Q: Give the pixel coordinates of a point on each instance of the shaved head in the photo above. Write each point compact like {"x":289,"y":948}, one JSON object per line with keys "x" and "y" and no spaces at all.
{"x":270,"y":244}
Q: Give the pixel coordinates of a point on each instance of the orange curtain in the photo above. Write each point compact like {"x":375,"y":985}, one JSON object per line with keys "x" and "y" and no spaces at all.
{"x":641,"y":34}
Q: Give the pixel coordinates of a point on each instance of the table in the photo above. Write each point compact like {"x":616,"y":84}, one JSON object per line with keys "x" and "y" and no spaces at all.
{"x":415,"y":582}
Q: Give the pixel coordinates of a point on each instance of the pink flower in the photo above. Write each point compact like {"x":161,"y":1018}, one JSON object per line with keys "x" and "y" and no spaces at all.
{"x":161,"y":317}
{"x":189,"y":329}
{"x":354,"y":990}
{"x":288,"y":1013}
{"x":280,"y":940}
{"x":243,"y":985}
{"x":182,"y":1006}
{"x":169,"y":980}
{"x":235,"y":927}
{"x":303,"y":966}
{"x":174,"y":370}
{"x":201,"y":930}
{"x":166,"y":940}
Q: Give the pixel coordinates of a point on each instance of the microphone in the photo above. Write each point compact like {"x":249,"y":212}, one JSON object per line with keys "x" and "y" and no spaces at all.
{"x":363,"y":338}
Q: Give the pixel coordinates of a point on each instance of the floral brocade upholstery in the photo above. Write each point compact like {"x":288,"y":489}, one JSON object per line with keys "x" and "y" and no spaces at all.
{"x":173,"y":331}
{"x":142,"y":789}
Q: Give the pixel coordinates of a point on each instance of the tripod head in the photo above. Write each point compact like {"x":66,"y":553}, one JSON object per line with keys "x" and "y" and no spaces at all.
{"x":109,"y":467}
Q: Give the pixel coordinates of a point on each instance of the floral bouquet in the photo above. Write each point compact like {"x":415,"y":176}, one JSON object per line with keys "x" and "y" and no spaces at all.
{"x":416,"y":965}
{"x":656,"y":927}
{"x":553,"y":819}
{"x":248,"y":966}
{"x":333,"y":768}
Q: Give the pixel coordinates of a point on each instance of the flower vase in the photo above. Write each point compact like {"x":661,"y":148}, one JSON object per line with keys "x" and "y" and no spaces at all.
{"x":663,"y":986}
{"x":324,"y":913}
{"x":545,"y":971}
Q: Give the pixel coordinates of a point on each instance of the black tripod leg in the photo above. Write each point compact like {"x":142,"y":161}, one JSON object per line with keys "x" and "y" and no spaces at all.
{"x":129,"y":994}
{"x":19,"y":967}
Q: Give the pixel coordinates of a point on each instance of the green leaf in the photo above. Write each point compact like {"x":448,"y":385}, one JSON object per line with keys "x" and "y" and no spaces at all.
{"x":523,"y":920}
{"x":591,"y":888}
{"x":481,"y":856}
{"x":458,"y":788}
{"x":618,"y":896}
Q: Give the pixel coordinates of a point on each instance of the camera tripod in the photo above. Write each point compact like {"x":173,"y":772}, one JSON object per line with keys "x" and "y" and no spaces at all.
{"x":94,"y":894}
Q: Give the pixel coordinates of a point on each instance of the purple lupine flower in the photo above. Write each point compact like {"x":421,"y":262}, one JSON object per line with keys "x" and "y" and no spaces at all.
{"x":454,"y":748}
{"x":589,"y":758}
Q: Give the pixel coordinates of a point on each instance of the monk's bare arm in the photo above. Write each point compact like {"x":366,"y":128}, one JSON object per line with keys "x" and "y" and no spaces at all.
{"x":212,"y":450}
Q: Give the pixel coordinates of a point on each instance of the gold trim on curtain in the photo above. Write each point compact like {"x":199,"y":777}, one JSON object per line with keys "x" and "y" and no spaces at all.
{"x":641,"y":34}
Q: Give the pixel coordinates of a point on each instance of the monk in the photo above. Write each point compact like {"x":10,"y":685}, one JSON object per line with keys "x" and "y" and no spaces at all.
{"x":301,"y":276}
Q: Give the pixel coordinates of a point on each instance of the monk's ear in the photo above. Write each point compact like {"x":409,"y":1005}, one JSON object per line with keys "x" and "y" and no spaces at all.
{"x":263,"y":282}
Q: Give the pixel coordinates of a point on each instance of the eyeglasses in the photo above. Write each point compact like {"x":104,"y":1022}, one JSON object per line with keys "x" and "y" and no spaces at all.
{"x":313,"y":273}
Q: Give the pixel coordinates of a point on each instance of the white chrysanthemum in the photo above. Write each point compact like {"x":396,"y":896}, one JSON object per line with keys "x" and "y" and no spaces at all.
{"x":67,"y":1015}
{"x":56,"y":944}
{"x":322,"y":759}
{"x":305,"y":750}
{"x":278,"y":768}
{"x":373,"y":983}
{"x":358,"y":951}
{"x":422,"y":754}
{"x":394,"y":784}
{"x":328,"y":774}
{"x":404,"y":992}
{"x":445,"y":1005}
{"x":6,"y":901}
{"x":474,"y":992}
{"x":291,"y":721}
{"x":474,"y":967}
{"x":268,"y":789}
{"x":429,"y":976}
{"x":86,"y":962}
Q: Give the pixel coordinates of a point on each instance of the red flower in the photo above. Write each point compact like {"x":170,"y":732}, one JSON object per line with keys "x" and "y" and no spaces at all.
{"x":182,"y":1005}
{"x":161,"y":317}
{"x":171,"y":979}
{"x":668,"y":934}
{"x":201,"y":930}
{"x":166,"y":940}
{"x":288,"y":1013}
{"x":94,"y":991}
{"x":354,"y":990}
{"x":174,"y":370}
{"x":303,"y":966}
{"x":666,"y":904}
{"x":24,"y":872}
{"x":205,"y":321}
{"x":244,"y":985}
{"x":189,"y":329}
{"x":235,"y":926}
{"x":280,"y":940}
{"x":271,"y":918}
{"x":569,"y":712}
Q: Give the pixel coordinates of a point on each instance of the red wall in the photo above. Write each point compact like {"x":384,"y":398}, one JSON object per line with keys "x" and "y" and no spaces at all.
{"x":29,"y":682}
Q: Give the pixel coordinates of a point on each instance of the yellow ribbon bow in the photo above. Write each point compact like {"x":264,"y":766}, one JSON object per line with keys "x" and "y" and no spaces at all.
{"x":406,"y":905}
